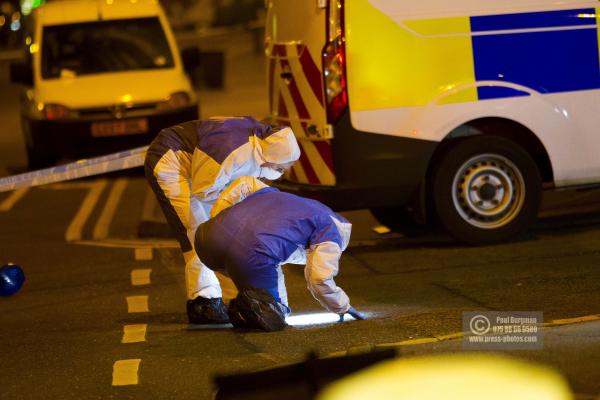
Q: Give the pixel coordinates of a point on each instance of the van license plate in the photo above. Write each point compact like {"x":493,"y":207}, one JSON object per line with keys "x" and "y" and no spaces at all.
{"x":117,"y":128}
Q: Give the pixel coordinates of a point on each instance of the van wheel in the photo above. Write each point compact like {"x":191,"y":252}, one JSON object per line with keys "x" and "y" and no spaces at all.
{"x":486,"y":189}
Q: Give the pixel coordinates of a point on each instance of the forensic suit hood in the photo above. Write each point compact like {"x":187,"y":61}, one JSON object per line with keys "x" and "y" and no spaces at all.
{"x":280,"y":147}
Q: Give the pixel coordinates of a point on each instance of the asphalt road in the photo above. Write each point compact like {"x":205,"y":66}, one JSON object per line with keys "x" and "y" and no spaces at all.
{"x":79,"y":329}
{"x":64,"y":331}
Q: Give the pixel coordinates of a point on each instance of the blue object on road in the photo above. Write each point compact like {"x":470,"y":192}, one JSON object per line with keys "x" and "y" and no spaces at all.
{"x":12,"y":278}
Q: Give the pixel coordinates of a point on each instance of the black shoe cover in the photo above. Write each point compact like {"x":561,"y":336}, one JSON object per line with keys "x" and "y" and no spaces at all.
{"x":207,"y":311}
{"x":256,"y":309}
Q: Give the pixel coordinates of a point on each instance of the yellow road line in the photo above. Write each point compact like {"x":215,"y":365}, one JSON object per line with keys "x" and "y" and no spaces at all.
{"x":409,"y":342}
{"x":140,"y":277}
{"x":131,"y":243}
{"x":11,"y":200}
{"x":143,"y":253}
{"x":571,"y":321}
{"x":102,"y":226}
{"x":75,"y":228}
{"x":66,"y":186}
{"x":137,"y":304}
{"x":134,"y":333}
{"x":125,"y":372}
{"x":459,"y":335}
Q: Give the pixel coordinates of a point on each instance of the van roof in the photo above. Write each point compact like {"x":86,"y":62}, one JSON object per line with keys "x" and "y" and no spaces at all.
{"x":72,"y":11}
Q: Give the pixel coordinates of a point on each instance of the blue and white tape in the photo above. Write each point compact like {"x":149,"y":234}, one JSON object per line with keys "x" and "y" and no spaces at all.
{"x":80,"y":169}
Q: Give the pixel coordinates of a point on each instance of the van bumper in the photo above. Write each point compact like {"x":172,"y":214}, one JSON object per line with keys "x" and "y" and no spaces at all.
{"x":372,"y":170}
{"x":345,"y":198}
{"x":73,"y":138}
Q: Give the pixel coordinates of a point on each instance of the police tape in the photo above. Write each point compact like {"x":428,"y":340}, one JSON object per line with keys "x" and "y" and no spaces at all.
{"x":80,"y":169}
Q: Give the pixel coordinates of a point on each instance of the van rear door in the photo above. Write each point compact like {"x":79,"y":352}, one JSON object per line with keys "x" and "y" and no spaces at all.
{"x":295,"y":38}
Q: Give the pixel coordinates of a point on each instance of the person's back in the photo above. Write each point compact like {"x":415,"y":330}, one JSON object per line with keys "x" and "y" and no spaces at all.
{"x":256,"y":229}
{"x":269,"y":225}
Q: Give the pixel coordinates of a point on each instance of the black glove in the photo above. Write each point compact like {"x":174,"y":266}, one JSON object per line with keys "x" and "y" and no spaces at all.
{"x":356,"y":314}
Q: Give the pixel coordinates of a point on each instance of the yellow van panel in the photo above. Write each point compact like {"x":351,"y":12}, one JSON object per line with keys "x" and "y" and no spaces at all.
{"x":389,"y":66}
{"x":598,"y":29}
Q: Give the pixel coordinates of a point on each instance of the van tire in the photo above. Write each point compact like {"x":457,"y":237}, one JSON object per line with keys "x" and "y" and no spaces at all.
{"x":485,"y":189}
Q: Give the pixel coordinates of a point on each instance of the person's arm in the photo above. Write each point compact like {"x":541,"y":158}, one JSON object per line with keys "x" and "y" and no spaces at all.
{"x":236,"y":192}
{"x":321,"y":267}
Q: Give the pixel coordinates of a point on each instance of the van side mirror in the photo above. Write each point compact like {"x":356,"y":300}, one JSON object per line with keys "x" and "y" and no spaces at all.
{"x":21,"y":73}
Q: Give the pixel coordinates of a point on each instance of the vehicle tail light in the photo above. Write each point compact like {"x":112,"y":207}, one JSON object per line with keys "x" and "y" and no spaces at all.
{"x":56,"y":111}
{"x":334,"y":67}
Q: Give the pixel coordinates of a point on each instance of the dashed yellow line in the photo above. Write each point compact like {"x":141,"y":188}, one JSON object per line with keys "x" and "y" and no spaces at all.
{"x":137,"y":304}
{"x":140,"y":277}
{"x":134,"y":333}
{"x":125,"y":372}
{"x":143,"y":254}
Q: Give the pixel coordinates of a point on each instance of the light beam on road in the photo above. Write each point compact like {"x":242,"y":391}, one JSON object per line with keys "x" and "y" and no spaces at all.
{"x":315,"y":319}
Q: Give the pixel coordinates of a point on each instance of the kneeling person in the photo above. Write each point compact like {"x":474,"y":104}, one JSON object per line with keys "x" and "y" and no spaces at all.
{"x":256,"y":229}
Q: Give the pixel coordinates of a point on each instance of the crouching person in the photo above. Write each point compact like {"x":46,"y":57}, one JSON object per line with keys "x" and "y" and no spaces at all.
{"x":254,"y":230}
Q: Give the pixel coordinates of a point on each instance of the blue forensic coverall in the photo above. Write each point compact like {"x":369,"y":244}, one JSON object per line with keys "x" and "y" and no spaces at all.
{"x":190,"y":164}
{"x":258,"y":228}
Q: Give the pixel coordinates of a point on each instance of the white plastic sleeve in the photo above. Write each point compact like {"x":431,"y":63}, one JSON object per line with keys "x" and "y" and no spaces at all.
{"x":321,"y":267}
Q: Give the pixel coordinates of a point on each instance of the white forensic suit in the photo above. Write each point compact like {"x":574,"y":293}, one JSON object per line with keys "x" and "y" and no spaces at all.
{"x":189,"y":165}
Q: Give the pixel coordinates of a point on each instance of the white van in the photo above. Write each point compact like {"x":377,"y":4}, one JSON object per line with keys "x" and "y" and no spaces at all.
{"x":102,"y":76}
{"x":461,"y":110}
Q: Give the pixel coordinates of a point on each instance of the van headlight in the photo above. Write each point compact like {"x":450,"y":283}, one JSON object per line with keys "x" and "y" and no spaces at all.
{"x":176,"y":100}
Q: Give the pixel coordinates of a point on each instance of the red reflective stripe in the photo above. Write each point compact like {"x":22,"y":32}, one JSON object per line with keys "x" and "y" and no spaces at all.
{"x":304,"y":127}
{"x":313,"y":75}
{"x":296,"y":96}
{"x":308,"y":169}
{"x":271,"y":81}
{"x":279,"y":50}
{"x":282,"y":111}
{"x":324,"y":148}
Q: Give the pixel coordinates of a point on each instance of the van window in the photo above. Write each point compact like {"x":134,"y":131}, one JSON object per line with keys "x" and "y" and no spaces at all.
{"x":104,"y":46}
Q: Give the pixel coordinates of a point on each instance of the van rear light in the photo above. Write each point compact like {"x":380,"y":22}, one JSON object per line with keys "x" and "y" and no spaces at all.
{"x":56,"y":111}
{"x":334,"y":58}
{"x":335,"y":79}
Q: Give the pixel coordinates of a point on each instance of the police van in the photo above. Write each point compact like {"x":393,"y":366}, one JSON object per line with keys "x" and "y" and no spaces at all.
{"x":461,"y":110}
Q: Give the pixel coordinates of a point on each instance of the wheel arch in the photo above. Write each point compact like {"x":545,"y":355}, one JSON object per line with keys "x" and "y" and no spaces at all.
{"x":502,"y":127}
{"x":489,"y":126}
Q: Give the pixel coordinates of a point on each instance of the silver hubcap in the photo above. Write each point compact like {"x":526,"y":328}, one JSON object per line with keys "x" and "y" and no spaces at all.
{"x":488,"y":191}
